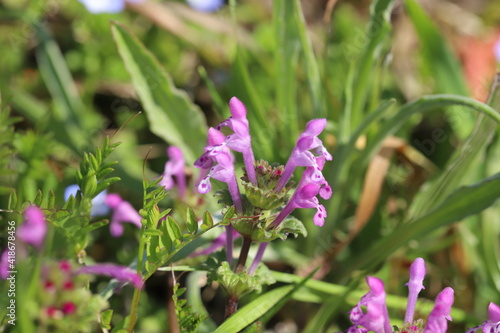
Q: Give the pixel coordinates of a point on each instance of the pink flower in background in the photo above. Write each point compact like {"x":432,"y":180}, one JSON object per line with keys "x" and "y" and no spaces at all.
{"x":174,"y":171}
{"x":4,"y":265}
{"x":106,"y":6}
{"x":491,"y":325}
{"x":123,"y":212}
{"x":375,"y":317}
{"x":121,"y":273}
{"x":32,"y":231}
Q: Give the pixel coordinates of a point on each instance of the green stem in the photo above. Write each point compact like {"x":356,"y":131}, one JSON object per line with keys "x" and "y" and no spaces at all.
{"x":137,"y":291}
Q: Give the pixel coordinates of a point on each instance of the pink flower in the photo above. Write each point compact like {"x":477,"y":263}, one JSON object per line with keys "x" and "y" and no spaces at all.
{"x":492,"y":325}
{"x":301,"y":153}
{"x":174,"y":168}
{"x":121,"y":273}
{"x":32,"y":231}
{"x":123,"y":212}
{"x":376,"y":318}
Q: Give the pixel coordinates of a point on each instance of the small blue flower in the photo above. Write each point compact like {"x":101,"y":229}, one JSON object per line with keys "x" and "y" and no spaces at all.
{"x":99,"y":206}
{"x":496,"y":49}
{"x":206,"y":5}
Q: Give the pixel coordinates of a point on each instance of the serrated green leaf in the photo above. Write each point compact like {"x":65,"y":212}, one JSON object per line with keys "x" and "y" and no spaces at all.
{"x":172,"y":116}
{"x":38,"y":198}
{"x":52,"y":200}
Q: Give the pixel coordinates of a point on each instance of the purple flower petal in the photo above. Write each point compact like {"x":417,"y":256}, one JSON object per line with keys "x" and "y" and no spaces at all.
{"x":301,"y":154}
{"x":376,"y":318}
{"x":32,"y":231}
{"x":121,"y":273}
{"x":4,"y":264}
{"x":174,"y":168}
{"x":123,"y":212}
{"x":440,"y":314}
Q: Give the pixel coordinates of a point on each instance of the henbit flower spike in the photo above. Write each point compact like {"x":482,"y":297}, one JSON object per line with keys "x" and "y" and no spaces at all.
{"x":106,"y":6}
{"x":492,"y":325}
{"x":240,"y":140}
{"x":174,"y":168}
{"x":205,"y":5}
{"x":301,"y":155}
{"x":415,"y":285}
{"x":440,"y":314}
{"x":121,"y":273}
{"x":32,"y":231}
{"x":437,"y":320}
{"x":123,"y":213}
{"x":311,"y":184}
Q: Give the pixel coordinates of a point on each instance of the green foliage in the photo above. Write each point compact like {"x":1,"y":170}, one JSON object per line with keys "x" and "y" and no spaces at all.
{"x":240,"y":284}
{"x":187,"y":319}
{"x":172,"y":116}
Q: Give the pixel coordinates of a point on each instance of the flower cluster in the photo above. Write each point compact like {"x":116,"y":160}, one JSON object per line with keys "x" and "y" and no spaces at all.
{"x":265,"y":181}
{"x":265,"y":207}
{"x":66,"y":303}
{"x":491,"y":325}
{"x":371,"y":315}
{"x":375,"y":318}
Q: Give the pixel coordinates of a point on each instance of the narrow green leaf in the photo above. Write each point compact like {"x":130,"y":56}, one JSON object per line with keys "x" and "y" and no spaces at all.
{"x":192,"y":223}
{"x":263,"y":308}
{"x":52,"y":200}
{"x":71,"y":117}
{"x":377,"y":33}
{"x":174,"y":231}
{"x":445,"y":68}
{"x":172,"y":116}
{"x":465,"y":157}
{"x":208,"y":221}
{"x":254,"y":310}
{"x":12,"y":200}
{"x":464,"y":202}
{"x":424,"y":104}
